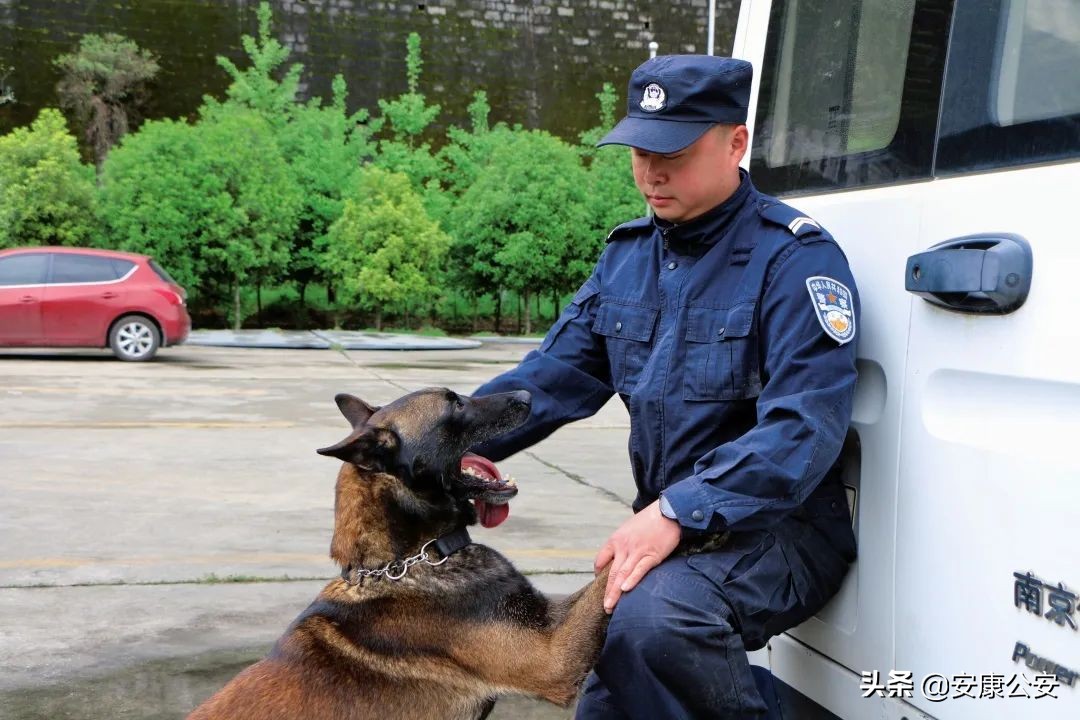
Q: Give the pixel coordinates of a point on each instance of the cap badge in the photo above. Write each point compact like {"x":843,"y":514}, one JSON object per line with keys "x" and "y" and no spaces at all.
{"x":654,"y":98}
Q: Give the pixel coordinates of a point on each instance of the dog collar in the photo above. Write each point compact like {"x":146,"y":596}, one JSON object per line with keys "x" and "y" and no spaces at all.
{"x":451,"y":542}
{"x":446,"y":545}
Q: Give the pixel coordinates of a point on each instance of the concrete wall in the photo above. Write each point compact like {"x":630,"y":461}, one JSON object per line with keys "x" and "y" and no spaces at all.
{"x":541,"y":62}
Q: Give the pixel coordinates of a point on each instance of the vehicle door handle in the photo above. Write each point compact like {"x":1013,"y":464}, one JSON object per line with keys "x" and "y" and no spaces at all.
{"x":109,"y":295}
{"x":987,"y":273}
{"x":28,"y":299}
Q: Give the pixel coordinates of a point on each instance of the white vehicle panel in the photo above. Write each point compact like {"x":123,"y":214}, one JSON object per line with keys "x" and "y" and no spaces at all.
{"x":988,"y":468}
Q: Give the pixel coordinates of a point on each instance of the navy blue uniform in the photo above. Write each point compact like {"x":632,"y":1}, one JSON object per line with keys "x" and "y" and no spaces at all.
{"x":729,"y":339}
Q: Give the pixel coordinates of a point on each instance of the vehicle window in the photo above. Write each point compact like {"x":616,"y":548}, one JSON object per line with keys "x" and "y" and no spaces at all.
{"x":122,"y":267}
{"x":73,"y":268}
{"x":849,"y":93}
{"x":26,"y":269}
{"x":1012,"y":89}
{"x":161,"y":273}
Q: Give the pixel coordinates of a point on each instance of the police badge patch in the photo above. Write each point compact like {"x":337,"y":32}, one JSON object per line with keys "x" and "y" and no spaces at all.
{"x":653,"y":98}
{"x":833,"y":307}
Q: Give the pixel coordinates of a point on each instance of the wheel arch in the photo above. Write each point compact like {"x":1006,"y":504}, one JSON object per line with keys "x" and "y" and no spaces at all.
{"x":139,"y":313}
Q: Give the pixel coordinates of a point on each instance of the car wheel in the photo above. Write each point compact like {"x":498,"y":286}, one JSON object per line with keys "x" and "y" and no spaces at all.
{"x":134,"y":338}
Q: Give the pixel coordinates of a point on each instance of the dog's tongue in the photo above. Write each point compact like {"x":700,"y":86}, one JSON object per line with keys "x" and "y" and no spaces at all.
{"x":489,"y":514}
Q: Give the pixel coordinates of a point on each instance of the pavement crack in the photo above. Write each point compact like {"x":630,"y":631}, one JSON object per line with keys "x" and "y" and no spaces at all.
{"x":386,"y":380}
{"x":578,"y":479}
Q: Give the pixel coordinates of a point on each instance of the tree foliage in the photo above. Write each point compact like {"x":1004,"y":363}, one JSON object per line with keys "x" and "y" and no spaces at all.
{"x":263,"y":188}
{"x":46,"y":193}
{"x":256,"y":86}
{"x":325,"y":148}
{"x":103,"y":82}
{"x":153,"y":200}
{"x":467,"y":154}
{"x":612,"y":198}
{"x":384,"y":250}
{"x":522,"y":225}
{"x":406,"y":118}
{"x":215,"y":202}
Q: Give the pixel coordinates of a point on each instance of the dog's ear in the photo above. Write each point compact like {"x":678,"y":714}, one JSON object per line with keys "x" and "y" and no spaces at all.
{"x":355,"y":410}
{"x":370,"y":448}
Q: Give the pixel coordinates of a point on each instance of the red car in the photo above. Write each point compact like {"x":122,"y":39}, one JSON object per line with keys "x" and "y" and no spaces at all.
{"x":78,"y":297}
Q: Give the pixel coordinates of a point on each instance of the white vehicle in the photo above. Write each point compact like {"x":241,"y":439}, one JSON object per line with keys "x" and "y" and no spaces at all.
{"x":939,"y":142}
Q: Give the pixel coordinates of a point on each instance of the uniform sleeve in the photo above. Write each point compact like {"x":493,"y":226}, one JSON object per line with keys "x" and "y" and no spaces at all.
{"x":803,"y":411}
{"x":568,"y":376}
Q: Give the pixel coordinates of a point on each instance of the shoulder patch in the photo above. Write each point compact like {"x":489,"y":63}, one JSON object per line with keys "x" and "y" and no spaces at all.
{"x":833,"y":307}
{"x":797,"y":224}
{"x":630,"y":229}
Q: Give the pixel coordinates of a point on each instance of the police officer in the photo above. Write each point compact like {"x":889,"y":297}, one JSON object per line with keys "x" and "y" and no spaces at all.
{"x":726,"y":323}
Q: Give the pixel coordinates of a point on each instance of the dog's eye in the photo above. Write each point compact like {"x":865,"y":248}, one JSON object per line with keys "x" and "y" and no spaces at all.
{"x":455,"y":401}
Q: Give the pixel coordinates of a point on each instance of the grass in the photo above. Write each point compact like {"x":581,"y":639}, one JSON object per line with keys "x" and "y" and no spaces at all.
{"x":282,"y":309}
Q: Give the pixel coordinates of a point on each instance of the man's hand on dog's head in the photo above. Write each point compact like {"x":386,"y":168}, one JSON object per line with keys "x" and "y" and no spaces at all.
{"x":640,"y":544}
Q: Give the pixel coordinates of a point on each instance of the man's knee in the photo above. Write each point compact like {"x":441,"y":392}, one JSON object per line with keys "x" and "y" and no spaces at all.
{"x":672,"y":651}
{"x":672,"y":606}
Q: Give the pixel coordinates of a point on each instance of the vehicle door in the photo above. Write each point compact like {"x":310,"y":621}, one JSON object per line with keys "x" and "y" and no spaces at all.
{"x":844,"y":131}
{"x":84,"y":295}
{"x":988,"y":503}
{"x":22,"y":282}
{"x":966,"y":503}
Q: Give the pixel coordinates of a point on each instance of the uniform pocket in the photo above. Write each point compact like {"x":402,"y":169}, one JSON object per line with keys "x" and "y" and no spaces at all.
{"x":628,"y":332}
{"x":721,"y":354}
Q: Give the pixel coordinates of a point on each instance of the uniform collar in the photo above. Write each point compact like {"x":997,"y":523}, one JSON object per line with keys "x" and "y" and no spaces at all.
{"x":713,"y":224}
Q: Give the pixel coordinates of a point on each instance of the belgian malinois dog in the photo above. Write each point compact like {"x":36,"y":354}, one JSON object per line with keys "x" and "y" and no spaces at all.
{"x":423,"y":623}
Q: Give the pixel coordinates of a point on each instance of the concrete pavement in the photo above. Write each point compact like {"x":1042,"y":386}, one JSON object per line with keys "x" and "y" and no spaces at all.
{"x":163,"y":522}
{"x":326,"y":340}
{"x":345,"y":340}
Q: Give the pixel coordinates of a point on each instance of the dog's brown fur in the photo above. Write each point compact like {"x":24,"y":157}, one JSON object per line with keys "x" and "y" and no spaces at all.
{"x":443,"y":641}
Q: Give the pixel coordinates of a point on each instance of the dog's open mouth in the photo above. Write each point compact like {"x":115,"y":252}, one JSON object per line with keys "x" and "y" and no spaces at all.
{"x":486,"y":487}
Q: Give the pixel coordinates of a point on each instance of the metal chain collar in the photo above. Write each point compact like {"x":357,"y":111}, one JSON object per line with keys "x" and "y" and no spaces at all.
{"x":395,"y":569}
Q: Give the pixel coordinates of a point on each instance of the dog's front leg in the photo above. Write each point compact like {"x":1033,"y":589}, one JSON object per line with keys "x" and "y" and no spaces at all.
{"x":548,"y":662}
{"x":578,"y":629}
{"x":507,"y":657}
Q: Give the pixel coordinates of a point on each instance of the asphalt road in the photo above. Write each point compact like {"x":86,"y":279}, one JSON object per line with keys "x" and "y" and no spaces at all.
{"x":163,"y":522}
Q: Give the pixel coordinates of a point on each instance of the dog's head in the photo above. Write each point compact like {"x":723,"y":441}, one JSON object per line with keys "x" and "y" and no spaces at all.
{"x":422,"y":440}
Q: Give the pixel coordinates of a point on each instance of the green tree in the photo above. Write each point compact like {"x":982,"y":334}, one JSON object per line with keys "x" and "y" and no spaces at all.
{"x":103,"y":83}
{"x":325,"y":147}
{"x":264,"y":201}
{"x":464,"y":159}
{"x":156,"y":199}
{"x":257,"y":87}
{"x":522,"y":225}
{"x":612,"y":197}
{"x":46,"y":193}
{"x":384,"y":250}
{"x":406,"y":118}
{"x":468,"y":153}
{"x":215,"y":202}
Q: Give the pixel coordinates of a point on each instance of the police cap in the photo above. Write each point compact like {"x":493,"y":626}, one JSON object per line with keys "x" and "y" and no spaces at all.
{"x":673,"y":99}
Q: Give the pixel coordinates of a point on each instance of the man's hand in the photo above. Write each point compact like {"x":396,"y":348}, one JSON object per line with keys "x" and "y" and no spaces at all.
{"x":639,"y":545}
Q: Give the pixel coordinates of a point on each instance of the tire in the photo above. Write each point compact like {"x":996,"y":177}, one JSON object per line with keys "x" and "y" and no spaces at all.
{"x":134,"y":338}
